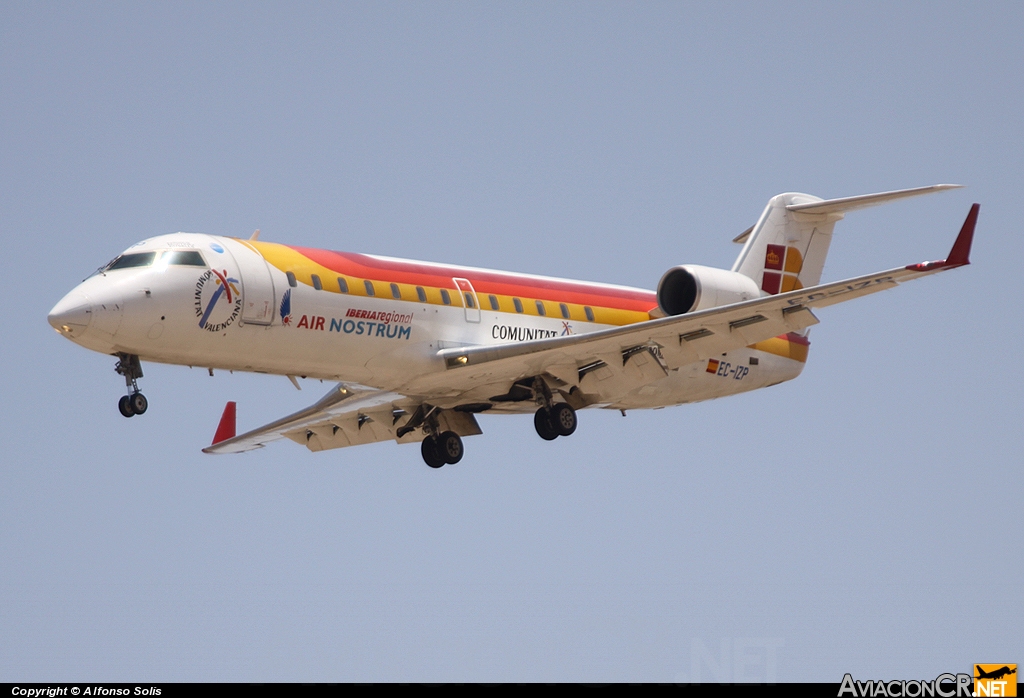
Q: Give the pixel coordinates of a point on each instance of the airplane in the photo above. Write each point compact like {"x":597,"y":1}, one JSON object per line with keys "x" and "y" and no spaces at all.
{"x":995,"y":674}
{"x":418,"y":349}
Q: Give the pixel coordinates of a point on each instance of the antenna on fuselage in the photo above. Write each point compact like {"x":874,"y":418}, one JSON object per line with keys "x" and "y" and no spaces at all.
{"x":255,"y":235}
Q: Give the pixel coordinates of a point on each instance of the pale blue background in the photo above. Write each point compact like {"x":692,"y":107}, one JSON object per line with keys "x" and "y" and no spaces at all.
{"x":863,"y":518}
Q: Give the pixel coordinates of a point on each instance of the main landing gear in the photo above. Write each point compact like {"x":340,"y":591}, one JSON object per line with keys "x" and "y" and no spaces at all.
{"x":446,"y":447}
{"x":438,"y":447}
{"x":558,"y":420}
{"x":553,"y":419}
{"x":129,"y":366}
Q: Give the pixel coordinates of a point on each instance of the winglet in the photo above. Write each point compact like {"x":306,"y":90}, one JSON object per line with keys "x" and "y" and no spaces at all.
{"x":226,"y":428}
{"x":960,"y":254}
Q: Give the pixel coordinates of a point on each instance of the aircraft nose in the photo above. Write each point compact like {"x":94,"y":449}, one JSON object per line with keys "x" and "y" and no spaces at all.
{"x":72,"y":315}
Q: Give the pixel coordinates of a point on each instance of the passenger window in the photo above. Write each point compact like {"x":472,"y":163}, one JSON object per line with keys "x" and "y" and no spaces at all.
{"x":183,"y":258}
{"x":421,"y":294}
{"x":395,"y":291}
{"x":540,"y":308}
{"x":368,"y":285}
{"x":316,"y":283}
{"x":494,"y":302}
{"x":342,"y":285}
{"x":128,"y":261}
{"x":291,"y":279}
{"x":565,"y":310}
{"x":518,"y":304}
{"x":445,"y":298}
{"x":469,"y":299}
{"x":589,"y":312}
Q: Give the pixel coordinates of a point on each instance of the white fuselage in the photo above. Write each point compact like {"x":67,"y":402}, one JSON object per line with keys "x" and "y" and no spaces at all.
{"x":237,"y":312}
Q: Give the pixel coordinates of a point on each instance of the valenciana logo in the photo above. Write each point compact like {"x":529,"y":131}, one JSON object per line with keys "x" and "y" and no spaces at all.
{"x":214,"y":315}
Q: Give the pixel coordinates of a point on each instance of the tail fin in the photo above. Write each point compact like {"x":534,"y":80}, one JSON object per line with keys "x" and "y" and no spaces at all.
{"x":787,"y":247}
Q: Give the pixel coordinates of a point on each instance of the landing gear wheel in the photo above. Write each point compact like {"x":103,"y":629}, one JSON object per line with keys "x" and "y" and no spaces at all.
{"x":139,"y":403}
{"x":449,"y":445}
{"x":125,"y":406}
{"x":431,"y":453}
{"x":563,"y":419}
{"x":543,"y":424}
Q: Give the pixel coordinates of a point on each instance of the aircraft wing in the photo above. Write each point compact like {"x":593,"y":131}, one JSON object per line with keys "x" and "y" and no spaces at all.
{"x":340,"y":402}
{"x":351,"y":415}
{"x":471,"y":372}
{"x":345,"y":416}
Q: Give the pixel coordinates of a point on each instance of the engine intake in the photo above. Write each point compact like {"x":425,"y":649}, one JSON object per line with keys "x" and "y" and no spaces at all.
{"x":691,"y":287}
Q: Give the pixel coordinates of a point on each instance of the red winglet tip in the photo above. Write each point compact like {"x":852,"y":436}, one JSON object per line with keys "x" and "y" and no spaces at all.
{"x":961,"y":252}
{"x":226,"y":428}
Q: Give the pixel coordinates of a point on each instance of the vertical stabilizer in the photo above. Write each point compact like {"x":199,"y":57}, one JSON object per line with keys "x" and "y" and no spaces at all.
{"x":787,"y":247}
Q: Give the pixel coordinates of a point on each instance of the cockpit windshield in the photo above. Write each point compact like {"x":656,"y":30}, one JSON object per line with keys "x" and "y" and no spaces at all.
{"x":182,"y":258}
{"x":137,"y":259}
{"x":179,"y":258}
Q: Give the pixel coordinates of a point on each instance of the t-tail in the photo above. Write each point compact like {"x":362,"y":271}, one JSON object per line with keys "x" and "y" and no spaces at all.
{"x":786,"y":249}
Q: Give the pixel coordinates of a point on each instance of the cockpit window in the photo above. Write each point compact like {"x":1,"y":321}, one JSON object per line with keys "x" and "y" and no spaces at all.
{"x":184,"y":258}
{"x":136,"y":259}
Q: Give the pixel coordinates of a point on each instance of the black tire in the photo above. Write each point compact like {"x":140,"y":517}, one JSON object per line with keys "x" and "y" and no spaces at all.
{"x":139,"y":403}
{"x":431,"y":453}
{"x":542,"y":423}
{"x":124,"y":405}
{"x":449,"y":446}
{"x":563,"y":419}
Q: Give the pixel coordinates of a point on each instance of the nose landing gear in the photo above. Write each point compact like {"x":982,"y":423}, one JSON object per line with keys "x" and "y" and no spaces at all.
{"x":129,"y":366}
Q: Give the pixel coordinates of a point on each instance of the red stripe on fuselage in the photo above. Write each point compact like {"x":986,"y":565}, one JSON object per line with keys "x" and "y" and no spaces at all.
{"x":425,"y":274}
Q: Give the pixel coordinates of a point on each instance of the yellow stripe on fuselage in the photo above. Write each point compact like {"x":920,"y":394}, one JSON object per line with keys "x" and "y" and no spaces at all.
{"x":288,"y":260}
{"x":784,"y":347}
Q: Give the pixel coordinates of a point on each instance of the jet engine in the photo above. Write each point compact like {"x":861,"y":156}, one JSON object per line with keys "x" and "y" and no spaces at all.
{"x":691,"y":287}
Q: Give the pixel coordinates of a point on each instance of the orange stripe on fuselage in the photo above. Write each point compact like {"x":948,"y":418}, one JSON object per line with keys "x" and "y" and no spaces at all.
{"x":612,"y":305}
{"x":425,"y":274}
{"x":789,"y":346}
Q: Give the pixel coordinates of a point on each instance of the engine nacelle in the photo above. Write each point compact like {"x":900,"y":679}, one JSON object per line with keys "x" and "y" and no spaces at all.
{"x":692,"y":287}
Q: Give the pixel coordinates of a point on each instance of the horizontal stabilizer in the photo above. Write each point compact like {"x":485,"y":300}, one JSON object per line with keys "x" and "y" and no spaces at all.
{"x":851,"y":203}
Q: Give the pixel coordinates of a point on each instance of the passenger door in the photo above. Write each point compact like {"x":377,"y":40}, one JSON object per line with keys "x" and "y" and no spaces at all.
{"x":257,"y":285}
{"x":469,"y":299}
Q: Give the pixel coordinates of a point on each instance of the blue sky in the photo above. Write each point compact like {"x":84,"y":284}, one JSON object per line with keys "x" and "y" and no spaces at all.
{"x":859,"y":519}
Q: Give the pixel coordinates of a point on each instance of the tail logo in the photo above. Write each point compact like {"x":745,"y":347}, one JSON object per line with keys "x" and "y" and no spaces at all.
{"x":786,"y":263}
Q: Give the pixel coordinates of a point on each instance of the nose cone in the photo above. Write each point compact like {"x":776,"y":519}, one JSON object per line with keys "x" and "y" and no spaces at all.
{"x":72,"y":315}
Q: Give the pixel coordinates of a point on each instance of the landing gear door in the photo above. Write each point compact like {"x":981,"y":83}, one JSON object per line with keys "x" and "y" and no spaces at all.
{"x":257,"y":284}
{"x":469,"y":300}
